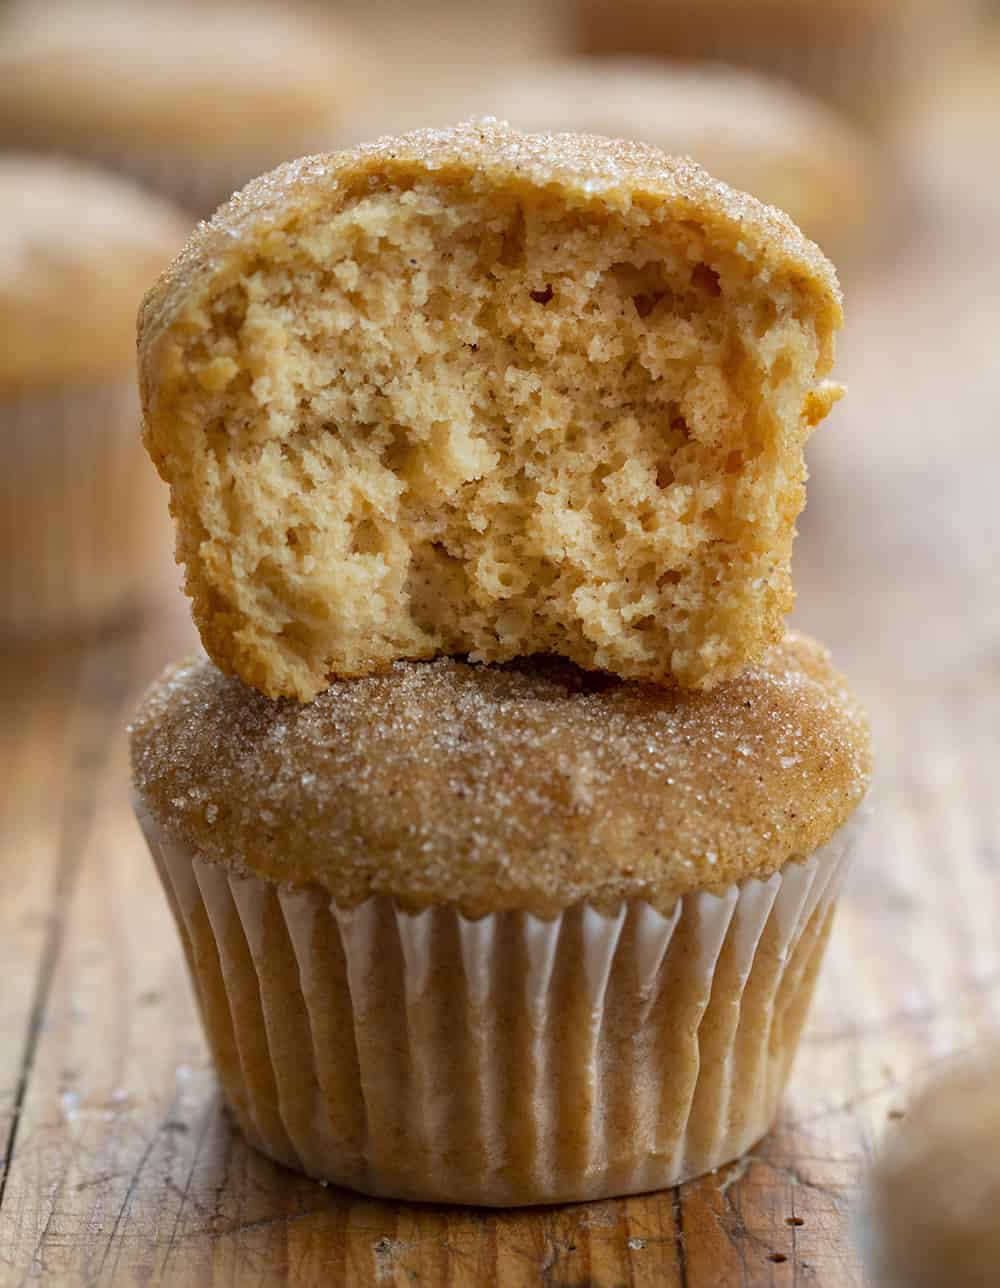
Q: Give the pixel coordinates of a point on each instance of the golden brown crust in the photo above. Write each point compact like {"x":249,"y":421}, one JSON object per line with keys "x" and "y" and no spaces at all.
{"x":756,"y":133}
{"x":584,"y":169}
{"x":531,"y":786}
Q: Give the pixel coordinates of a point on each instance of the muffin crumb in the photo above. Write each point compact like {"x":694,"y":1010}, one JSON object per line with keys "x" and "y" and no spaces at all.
{"x":480,"y":392}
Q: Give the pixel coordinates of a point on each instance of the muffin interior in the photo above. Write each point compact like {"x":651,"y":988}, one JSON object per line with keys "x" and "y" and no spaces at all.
{"x":447,"y":418}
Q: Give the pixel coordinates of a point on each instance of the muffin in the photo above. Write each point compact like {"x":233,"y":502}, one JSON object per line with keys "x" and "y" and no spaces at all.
{"x":80,"y":507}
{"x":930,"y":1217}
{"x":474,"y":391}
{"x":503,"y":935}
{"x":863,"y":56}
{"x":192,"y":99}
{"x":755,"y":133}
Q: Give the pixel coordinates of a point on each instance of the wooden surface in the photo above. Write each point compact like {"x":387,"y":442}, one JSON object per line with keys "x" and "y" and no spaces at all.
{"x":119,"y":1165}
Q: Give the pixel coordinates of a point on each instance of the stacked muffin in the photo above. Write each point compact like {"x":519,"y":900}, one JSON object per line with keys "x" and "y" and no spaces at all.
{"x":504,"y":828}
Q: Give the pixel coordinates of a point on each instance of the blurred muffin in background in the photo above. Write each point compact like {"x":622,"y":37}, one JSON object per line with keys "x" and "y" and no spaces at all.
{"x":191,"y":99}
{"x":756,"y":134}
{"x":952,"y":127}
{"x":929,"y":1215}
{"x":861,"y":55}
{"x":81,"y":510}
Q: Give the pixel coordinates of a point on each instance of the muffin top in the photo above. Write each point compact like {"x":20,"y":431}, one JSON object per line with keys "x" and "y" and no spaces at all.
{"x":579,"y":169}
{"x":478,"y":392}
{"x":755,"y":133}
{"x":77,"y":249}
{"x":183,"y":76}
{"x":534,"y":785}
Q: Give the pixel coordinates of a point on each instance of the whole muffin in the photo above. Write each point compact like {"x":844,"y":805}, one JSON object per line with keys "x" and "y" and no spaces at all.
{"x":191,"y":98}
{"x":504,"y":935}
{"x":477,"y":391}
{"x":754,"y":133}
{"x":929,"y":1219}
{"x":861,"y":55}
{"x":80,"y":507}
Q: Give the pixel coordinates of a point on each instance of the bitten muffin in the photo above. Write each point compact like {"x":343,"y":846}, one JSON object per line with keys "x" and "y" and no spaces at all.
{"x":930,"y":1217}
{"x":80,"y":507}
{"x":755,"y":133}
{"x":863,"y":56}
{"x":191,"y":98}
{"x":481,"y":392}
{"x":504,"y":935}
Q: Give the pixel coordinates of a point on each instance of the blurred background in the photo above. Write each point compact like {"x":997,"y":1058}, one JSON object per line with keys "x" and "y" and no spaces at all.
{"x":872,"y":122}
{"x":875,"y":123}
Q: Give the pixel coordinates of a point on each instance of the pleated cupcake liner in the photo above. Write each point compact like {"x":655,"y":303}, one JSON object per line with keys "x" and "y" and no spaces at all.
{"x":507,"y":1060}
{"x":81,"y":509}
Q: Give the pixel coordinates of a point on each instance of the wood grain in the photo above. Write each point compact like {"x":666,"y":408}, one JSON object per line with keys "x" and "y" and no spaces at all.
{"x":119,"y":1165}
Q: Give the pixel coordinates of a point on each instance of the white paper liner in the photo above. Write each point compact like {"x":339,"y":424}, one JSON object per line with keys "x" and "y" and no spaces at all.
{"x":508,"y":1060}
{"x":81,"y":509}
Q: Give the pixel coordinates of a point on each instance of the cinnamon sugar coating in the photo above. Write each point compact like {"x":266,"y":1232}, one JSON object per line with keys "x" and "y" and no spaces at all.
{"x":534,"y":785}
{"x":479,"y":392}
{"x":756,"y":133}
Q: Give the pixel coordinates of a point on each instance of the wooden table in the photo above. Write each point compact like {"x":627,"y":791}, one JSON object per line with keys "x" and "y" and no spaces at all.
{"x":119,"y":1165}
